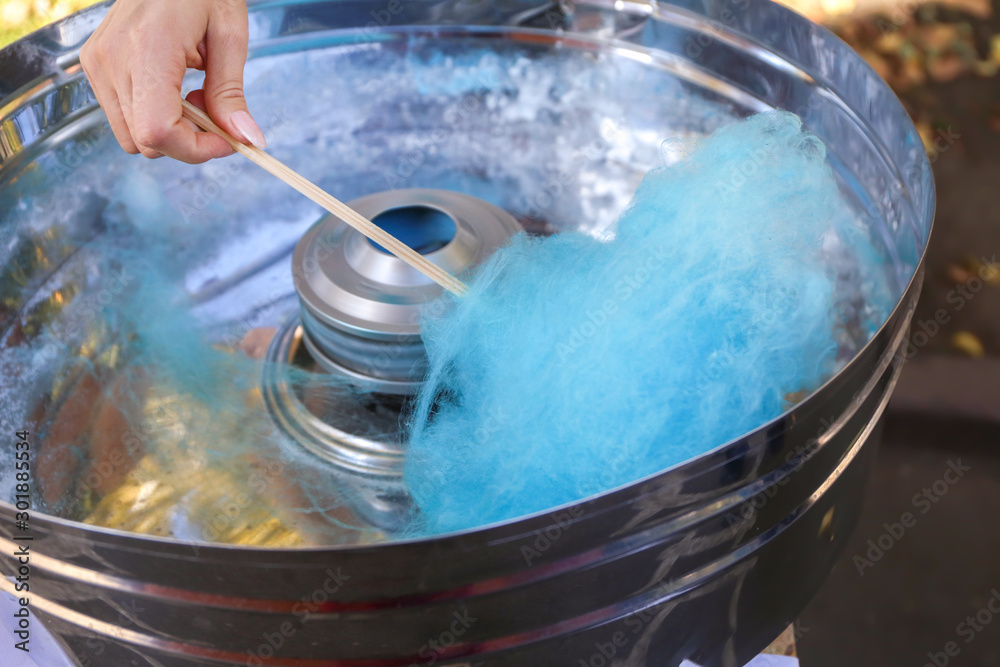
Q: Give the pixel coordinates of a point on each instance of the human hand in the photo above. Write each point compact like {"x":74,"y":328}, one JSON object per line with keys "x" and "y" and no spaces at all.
{"x":136,"y":61}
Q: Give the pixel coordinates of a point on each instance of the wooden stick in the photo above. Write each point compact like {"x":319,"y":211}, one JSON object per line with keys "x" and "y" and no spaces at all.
{"x":331,"y":204}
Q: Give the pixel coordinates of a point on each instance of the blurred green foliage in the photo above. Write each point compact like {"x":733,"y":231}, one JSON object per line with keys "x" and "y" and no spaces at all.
{"x":19,"y":17}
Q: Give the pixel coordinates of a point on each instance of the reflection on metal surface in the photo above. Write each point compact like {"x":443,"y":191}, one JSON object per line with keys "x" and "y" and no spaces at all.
{"x":184,"y":504}
{"x":167,"y":480}
{"x":683,"y":563}
{"x":361,"y":307}
{"x":180,"y":492}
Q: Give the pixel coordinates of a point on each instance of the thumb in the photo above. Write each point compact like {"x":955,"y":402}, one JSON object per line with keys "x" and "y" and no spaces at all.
{"x":225,"y":57}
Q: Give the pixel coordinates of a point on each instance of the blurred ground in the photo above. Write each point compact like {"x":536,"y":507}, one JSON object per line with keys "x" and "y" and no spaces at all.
{"x":930,"y":590}
{"x":923,"y":582}
{"x":942,"y":59}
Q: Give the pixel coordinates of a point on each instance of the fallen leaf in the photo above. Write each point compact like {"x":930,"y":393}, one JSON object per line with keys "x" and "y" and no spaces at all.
{"x":939,"y":36}
{"x":890,"y":42}
{"x":878,"y":63}
{"x":982,"y":9}
{"x":989,"y":272}
{"x":926,"y":136}
{"x":958,"y":275}
{"x":985,"y":69}
{"x":945,"y":68}
{"x":968,"y":343}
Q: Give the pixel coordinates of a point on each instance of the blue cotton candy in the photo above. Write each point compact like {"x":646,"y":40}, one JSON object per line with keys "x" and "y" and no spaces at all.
{"x":576,"y":365}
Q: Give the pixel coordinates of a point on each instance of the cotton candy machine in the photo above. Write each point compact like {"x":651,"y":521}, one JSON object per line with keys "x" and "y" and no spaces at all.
{"x":167,"y":531}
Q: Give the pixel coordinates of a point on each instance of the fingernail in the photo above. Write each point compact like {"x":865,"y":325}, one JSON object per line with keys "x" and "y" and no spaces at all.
{"x":246,"y":126}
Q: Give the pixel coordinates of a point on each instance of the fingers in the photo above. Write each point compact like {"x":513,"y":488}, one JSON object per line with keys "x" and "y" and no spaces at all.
{"x":108,"y":100}
{"x":123,"y":91}
{"x":157,"y":121}
{"x":136,"y":61}
{"x":225,"y":57}
{"x":92,"y":60}
{"x":197,"y":98}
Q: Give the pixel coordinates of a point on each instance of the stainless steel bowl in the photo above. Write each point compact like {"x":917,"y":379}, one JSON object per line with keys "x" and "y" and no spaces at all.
{"x":706,"y":561}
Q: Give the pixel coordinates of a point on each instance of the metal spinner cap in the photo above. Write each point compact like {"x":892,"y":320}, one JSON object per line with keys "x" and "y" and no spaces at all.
{"x":361,"y":305}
